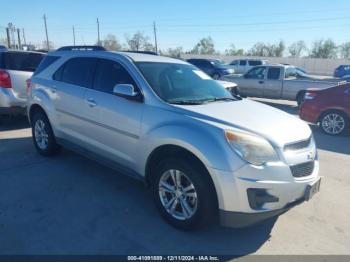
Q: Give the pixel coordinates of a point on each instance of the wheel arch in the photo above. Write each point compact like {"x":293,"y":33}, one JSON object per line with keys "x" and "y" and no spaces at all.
{"x":33,"y":109}
{"x":169,"y":150}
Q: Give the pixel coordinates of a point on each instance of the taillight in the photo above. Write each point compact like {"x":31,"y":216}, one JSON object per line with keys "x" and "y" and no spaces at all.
{"x":5,"y":79}
{"x":310,"y":95}
{"x":28,"y":82}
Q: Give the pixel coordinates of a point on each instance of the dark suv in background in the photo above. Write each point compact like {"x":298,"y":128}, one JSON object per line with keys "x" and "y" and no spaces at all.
{"x":213,"y":67}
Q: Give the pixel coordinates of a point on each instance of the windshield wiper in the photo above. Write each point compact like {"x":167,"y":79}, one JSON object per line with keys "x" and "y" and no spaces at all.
{"x":186,"y":102}
{"x":215,"y":99}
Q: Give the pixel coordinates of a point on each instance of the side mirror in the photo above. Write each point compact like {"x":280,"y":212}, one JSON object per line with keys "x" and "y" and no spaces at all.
{"x":127,"y":91}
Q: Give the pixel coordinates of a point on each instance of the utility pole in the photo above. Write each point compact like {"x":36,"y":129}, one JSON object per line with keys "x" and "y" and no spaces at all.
{"x":73,"y":35}
{"x":19,"y":38}
{"x":155,"y":36}
{"x":47,"y":36}
{"x":98,"y":33}
{"x":24,"y":37}
{"x":8,"y":37}
{"x":12,"y":29}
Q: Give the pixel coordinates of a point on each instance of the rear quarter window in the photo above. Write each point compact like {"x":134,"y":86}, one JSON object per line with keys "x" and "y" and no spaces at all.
{"x":45,"y":63}
{"x":21,"y":61}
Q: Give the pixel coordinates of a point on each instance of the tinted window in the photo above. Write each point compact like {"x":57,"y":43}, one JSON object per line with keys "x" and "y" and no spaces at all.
{"x":256,"y":73}
{"x":243,"y":62}
{"x":45,"y":63}
{"x":21,"y":61}
{"x":77,"y":71}
{"x":109,"y":74}
{"x":254,"y":63}
{"x":274,"y":73}
{"x":235,"y":62}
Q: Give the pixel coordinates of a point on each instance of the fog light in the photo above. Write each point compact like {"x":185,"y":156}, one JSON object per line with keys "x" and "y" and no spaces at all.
{"x":257,"y":197}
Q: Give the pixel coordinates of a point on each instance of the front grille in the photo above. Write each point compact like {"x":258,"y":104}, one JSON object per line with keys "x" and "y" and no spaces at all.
{"x":298,"y":145}
{"x":302,"y":170}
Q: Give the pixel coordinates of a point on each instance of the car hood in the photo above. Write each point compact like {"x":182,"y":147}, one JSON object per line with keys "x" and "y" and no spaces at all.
{"x":278,"y":127}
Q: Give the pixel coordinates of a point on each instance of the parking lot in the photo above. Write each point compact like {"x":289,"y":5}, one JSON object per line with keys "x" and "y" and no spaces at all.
{"x":72,"y":205}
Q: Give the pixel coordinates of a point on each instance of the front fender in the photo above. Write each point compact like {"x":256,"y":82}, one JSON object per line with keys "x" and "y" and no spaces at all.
{"x":206,"y":142}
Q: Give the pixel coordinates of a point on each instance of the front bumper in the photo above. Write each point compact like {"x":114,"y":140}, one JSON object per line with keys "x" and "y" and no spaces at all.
{"x":283,"y":191}
{"x":241,"y":220}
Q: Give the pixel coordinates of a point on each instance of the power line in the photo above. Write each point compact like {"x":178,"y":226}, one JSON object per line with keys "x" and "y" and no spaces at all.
{"x":258,"y":23}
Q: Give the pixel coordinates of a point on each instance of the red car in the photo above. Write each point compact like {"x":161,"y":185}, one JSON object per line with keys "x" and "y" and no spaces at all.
{"x":329,"y":107}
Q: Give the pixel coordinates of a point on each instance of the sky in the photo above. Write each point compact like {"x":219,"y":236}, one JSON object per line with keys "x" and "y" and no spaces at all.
{"x":181,"y":23}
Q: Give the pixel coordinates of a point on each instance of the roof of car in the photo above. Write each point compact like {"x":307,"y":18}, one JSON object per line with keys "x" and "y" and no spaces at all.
{"x":140,"y":57}
{"x":20,"y":51}
{"x":136,"y":57}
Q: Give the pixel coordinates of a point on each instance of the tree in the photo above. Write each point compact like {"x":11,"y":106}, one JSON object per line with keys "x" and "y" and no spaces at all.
{"x":345,"y":50}
{"x":139,"y":42}
{"x":205,"y":46}
{"x":233,"y":51}
{"x":111,"y":43}
{"x":324,"y":49}
{"x":174,"y":52}
{"x":262,"y":49}
{"x":297,"y":48}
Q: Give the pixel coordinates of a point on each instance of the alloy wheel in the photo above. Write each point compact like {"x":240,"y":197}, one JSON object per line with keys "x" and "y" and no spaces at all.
{"x":41,"y":135}
{"x":333,"y":123}
{"x":178,"y":194}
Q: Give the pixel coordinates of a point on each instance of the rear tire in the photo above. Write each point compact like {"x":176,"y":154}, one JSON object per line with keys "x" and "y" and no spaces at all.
{"x":43,"y":136}
{"x":187,"y":204}
{"x":334,"y":122}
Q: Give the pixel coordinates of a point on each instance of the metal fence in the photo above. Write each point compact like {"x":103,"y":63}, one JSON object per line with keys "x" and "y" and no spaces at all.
{"x":317,"y":66}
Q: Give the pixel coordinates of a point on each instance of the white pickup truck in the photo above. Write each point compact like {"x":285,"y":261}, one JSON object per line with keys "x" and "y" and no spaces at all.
{"x":278,"y":82}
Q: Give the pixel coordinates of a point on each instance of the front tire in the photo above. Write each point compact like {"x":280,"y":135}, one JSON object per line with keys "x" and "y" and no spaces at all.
{"x":300,"y":98}
{"x":43,"y":137}
{"x":183,"y":194}
{"x":334,"y":122}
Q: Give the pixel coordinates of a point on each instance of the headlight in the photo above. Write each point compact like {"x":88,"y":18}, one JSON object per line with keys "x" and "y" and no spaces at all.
{"x":252,"y":148}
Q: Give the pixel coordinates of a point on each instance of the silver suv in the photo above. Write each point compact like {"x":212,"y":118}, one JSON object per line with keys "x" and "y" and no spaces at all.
{"x":203,"y":152}
{"x":16,"y":67}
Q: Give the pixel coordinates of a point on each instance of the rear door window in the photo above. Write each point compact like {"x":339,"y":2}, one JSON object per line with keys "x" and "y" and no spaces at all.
{"x":21,"y":61}
{"x":77,"y":71}
{"x":254,"y":63}
{"x":243,"y":62}
{"x":110,"y":73}
{"x":274,"y":73}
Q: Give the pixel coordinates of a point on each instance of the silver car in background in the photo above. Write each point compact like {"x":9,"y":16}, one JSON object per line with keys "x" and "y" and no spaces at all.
{"x":278,"y":81}
{"x":242,"y":66}
{"x":203,"y":152}
{"x":16,"y":67}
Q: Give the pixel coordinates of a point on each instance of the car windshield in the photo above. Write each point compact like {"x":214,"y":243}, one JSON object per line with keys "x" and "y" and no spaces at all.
{"x":182,"y":83}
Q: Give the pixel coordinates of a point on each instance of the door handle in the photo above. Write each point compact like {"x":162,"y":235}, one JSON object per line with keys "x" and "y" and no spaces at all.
{"x":91,"y":102}
{"x":261,"y":82}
